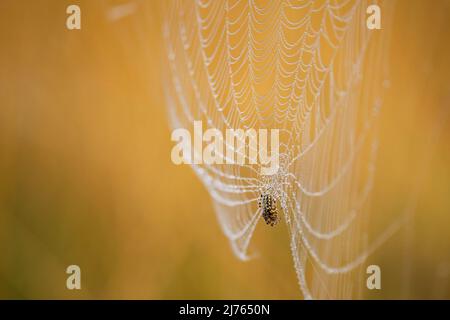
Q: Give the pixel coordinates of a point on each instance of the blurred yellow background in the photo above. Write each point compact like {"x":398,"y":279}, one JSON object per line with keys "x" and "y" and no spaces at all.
{"x":86,"y":175}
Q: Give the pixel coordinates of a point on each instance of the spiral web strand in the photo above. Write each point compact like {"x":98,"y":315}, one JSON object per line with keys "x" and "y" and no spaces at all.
{"x":313,"y":70}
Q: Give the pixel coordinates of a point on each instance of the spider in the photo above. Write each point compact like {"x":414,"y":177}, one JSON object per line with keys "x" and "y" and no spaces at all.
{"x":269,"y":206}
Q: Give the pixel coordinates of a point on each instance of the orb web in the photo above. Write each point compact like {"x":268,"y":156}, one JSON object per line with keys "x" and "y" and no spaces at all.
{"x":313,"y":70}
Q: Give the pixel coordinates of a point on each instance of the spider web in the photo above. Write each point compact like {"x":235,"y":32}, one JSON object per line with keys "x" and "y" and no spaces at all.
{"x":313,"y":70}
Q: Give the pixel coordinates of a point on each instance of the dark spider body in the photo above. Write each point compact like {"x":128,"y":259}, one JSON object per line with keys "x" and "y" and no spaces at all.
{"x":269,"y":206}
